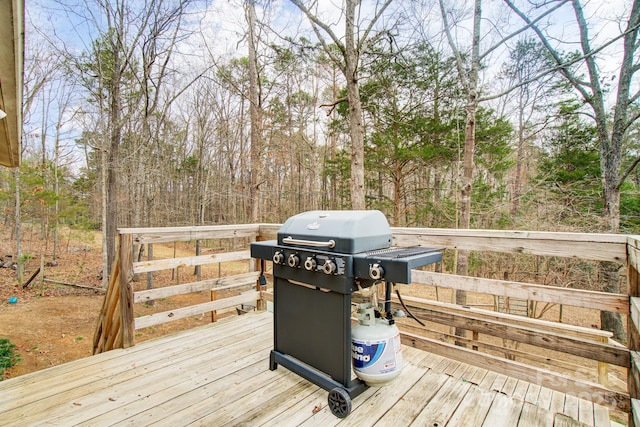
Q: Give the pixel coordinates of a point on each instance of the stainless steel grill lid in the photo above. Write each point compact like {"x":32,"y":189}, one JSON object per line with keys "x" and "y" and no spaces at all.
{"x":347,"y":232}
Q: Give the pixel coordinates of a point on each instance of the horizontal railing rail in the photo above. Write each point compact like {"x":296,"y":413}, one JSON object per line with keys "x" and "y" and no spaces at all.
{"x":118,"y":322}
{"x":498,"y":341}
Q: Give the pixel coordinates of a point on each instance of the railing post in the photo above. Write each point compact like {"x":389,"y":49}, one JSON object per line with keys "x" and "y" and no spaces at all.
{"x":633,"y":323}
{"x":126,"y":290}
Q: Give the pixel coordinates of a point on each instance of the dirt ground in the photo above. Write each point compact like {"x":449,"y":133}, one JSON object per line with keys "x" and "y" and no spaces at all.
{"x":51,"y":323}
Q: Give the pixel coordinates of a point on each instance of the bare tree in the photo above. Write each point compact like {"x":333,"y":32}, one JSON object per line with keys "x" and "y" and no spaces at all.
{"x":468,"y":67}
{"x":355,"y":43}
{"x":469,"y":80}
{"x":610,"y":133}
{"x":255,"y":112}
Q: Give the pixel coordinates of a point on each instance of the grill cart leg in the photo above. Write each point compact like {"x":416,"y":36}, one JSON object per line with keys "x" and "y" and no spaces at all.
{"x":339,"y":402}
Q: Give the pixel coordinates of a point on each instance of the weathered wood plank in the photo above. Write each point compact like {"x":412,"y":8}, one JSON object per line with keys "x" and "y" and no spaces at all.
{"x":111,"y":360}
{"x":533,"y":415}
{"x":442,"y":406}
{"x":544,"y":359}
{"x":219,"y":374}
{"x":208,"y":395}
{"x":220,"y":283}
{"x":544,"y":398}
{"x":383,"y":399}
{"x":405,"y":410}
{"x":562,"y":420}
{"x":585,"y":411}
{"x":633,"y":254}
{"x":521,"y":389}
{"x":509,"y":386}
{"x":190,"y":233}
{"x":37,"y":399}
{"x":478,"y":376}
{"x":598,"y":247}
{"x":617,"y":303}
{"x":601,"y":416}
{"x":571,"y":406}
{"x":302,"y":408}
{"x":473,"y":409}
{"x":504,"y":412}
{"x":635,"y":311}
{"x":269,"y":230}
{"x":498,"y":383}
{"x":126,"y":292}
{"x":518,"y":370}
{"x":169,"y":263}
{"x":633,"y":376}
{"x":198,"y":399}
{"x":545,"y":339}
{"x":194,"y":310}
{"x":278,"y":388}
{"x":116,"y":401}
{"x":635,"y":414}
{"x":557,"y":402}
{"x":488,"y":380}
{"x":271,"y":406}
{"x":533,"y":392}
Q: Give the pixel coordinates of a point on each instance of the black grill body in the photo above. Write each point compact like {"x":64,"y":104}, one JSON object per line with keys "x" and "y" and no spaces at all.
{"x":319,"y":259}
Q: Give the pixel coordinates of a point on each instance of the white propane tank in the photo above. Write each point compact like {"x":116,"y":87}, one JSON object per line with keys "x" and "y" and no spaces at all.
{"x":375,"y":349}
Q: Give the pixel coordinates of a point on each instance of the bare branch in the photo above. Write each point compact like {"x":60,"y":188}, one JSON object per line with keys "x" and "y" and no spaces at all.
{"x":317,"y":23}
{"x":631,"y":120}
{"x":526,"y":27}
{"x":556,"y":56}
{"x":333,"y":105}
{"x":365,"y":35}
{"x":628,"y":172}
{"x":456,"y":52}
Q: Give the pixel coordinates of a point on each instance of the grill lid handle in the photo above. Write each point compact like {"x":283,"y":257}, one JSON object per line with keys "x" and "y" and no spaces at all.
{"x":291,"y":241}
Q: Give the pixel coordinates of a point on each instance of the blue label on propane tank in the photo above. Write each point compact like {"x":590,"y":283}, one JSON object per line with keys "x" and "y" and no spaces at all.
{"x":366,"y":353}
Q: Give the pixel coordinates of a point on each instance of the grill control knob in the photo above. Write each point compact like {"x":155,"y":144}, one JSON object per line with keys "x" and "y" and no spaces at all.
{"x":376,"y":272}
{"x":329,"y":267}
{"x":293,"y":260}
{"x":278,"y":258}
{"x":310,"y":263}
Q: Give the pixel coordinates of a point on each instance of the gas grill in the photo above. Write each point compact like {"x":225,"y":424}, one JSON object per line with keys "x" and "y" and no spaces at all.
{"x":320,"y":258}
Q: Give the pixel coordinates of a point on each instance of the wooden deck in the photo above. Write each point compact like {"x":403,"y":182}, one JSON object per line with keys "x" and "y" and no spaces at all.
{"x":218,"y":375}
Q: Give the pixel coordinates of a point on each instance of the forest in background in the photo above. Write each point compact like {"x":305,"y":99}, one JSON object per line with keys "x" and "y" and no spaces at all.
{"x":147,"y":113}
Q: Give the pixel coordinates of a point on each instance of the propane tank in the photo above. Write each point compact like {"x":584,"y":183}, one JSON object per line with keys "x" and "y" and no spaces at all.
{"x":375,"y":348}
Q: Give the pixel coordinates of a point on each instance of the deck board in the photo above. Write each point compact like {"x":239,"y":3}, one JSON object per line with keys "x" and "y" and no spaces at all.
{"x":218,"y":375}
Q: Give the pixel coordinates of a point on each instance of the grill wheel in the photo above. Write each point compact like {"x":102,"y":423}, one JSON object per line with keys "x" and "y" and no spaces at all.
{"x":339,"y":402}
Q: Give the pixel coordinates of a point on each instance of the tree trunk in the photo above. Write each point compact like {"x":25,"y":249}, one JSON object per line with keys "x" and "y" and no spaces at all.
{"x":351,"y":51}
{"x":470,"y":82}
{"x":356,"y":130}
{"x":112,"y":167}
{"x":519,"y":161}
{"x":255,"y":113}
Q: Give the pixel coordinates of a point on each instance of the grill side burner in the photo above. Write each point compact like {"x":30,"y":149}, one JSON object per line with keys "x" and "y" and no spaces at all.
{"x":319,"y":259}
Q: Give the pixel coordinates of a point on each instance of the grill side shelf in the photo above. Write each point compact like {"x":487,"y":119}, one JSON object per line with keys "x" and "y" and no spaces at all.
{"x":396,"y":263}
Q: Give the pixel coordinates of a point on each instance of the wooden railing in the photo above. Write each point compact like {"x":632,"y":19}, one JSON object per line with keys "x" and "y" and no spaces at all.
{"x":496,"y":341}
{"x":550,"y":338}
{"x":117,"y":322}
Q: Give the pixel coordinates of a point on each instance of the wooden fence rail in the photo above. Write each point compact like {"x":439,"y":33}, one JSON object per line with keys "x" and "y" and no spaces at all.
{"x":117,"y":323}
